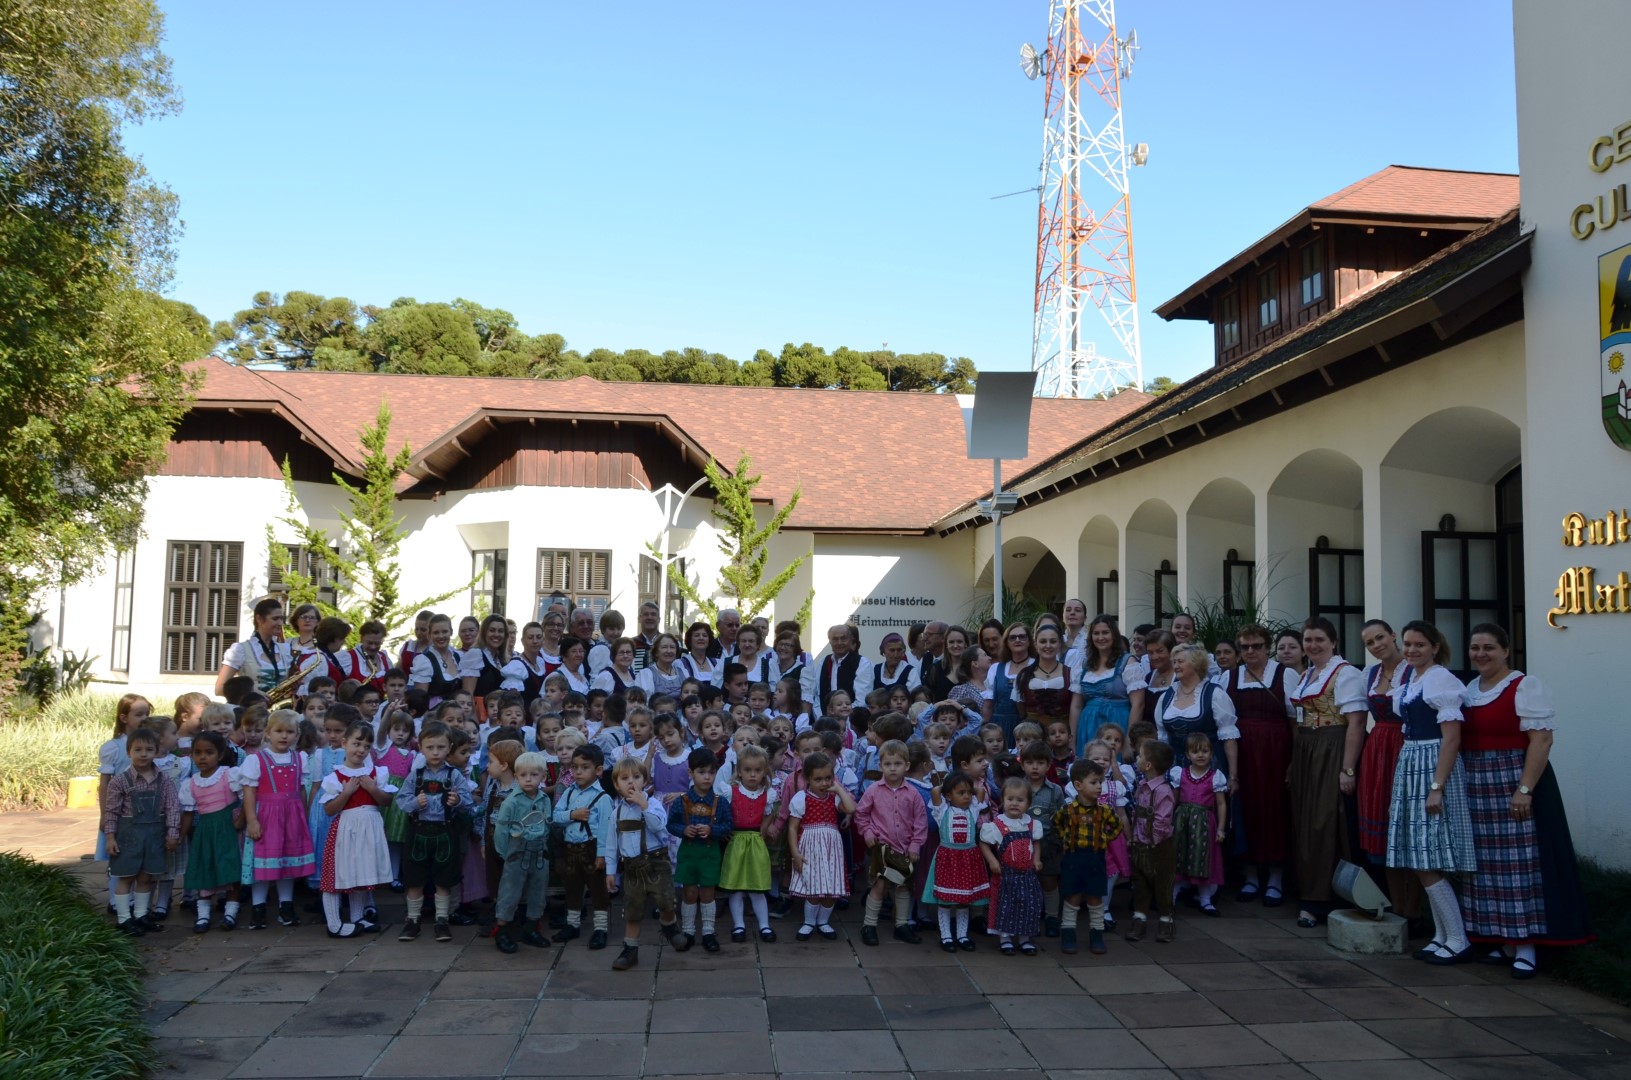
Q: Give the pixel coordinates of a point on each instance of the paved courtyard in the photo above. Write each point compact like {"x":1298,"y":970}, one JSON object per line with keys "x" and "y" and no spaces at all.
{"x":1247,"y":995}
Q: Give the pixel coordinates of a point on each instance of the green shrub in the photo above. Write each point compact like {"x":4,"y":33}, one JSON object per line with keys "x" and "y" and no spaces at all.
{"x":40,"y":751}
{"x":1603,"y":967}
{"x":70,"y":985}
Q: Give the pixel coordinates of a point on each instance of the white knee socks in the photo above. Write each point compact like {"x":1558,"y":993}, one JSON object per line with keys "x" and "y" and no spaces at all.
{"x":331,"y":911}
{"x":709,"y":910}
{"x":945,"y":924}
{"x":1095,"y":916}
{"x":736,"y":904}
{"x":688,"y":918}
{"x":1068,"y":917}
{"x":1451,"y":931}
{"x":761,"y":909}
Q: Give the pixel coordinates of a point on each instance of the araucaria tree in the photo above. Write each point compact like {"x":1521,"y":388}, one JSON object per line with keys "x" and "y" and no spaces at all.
{"x":746,"y":547}
{"x":364,"y":555}
{"x":93,"y":375}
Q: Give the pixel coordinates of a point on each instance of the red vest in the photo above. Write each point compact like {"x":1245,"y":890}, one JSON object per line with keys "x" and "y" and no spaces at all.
{"x":1494,"y":726}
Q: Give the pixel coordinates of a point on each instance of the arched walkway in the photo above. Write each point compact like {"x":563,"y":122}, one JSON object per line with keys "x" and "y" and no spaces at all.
{"x":1315,"y":543}
{"x":1221,"y":519}
{"x":1098,"y":553}
{"x":1442,"y":472}
{"x":1150,"y":590}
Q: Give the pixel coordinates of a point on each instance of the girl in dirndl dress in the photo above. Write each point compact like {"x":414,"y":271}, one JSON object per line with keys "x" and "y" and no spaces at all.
{"x":209,"y":805}
{"x":958,"y":878}
{"x":1201,"y":821}
{"x":1012,"y":845}
{"x":1526,"y":891}
{"x":355,"y":855}
{"x":745,"y":872}
{"x":277,"y":842}
{"x":397,"y":758}
{"x":819,"y":872}
{"x":1429,"y":827}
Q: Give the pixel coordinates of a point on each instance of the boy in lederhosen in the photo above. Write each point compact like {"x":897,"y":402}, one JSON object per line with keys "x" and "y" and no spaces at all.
{"x":638,"y":849}
{"x":439,"y":801}
{"x":701,"y":818}
{"x":582,"y":812}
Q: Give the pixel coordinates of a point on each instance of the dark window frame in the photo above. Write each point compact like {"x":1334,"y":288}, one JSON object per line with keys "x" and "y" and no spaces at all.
{"x":1103,"y":585}
{"x":124,"y":605}
{"x":302,"y":560}
{"x":578,"y":584}
{"x":205,"y":625}
{"x":1229,"y":320}
{"x":490,"y":578}
{"x":1268,"y":297}
{"x":1311,"y":282}
{"x":1340,"y":611}
{"x":1163,"y":617}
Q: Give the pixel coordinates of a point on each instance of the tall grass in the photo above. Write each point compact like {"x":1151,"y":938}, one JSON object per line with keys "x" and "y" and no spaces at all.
{"x":40,"y":751}
{"x":70,"y":985}
{"x":1603,"y":967}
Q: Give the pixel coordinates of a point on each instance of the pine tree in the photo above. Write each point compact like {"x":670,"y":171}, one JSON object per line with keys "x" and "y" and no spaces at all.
{"x":370,"y":540}
{"x":745,"y":545}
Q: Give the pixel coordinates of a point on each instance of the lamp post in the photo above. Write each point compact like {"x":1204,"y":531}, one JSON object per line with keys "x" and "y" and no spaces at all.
{"x":669,"y":500}
{"x":998,"y":424}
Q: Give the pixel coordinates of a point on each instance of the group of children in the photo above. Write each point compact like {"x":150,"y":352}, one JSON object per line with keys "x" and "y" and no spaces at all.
{"x":667,"y":799}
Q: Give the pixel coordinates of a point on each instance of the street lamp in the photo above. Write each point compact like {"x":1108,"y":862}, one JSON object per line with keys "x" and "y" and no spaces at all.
{"x":998,"y":423}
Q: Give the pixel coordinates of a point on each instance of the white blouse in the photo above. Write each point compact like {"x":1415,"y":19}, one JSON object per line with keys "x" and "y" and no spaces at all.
{"x":422,"y":671}
{"x":1350,"y":689}
{"x":517,"y":670}
{"x":334,"y":782}
{"x":1132,"y":675}
{"x":1534,"y":701}
{"x":992,"y":832}
{"x":1175,"y":776}
{"x":198,"y":780}
{"x":1441,"y":689}
{"x":249,"y":773}
{"x":1061,"y":679}
{"x":1223,"y":713}
{"x":472,"y":662}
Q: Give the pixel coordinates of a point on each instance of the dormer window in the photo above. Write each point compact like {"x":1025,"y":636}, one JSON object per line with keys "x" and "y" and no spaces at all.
{"x":1268,"y":297}
{"x":1229,"y":321}
{"x":1312,"y":260}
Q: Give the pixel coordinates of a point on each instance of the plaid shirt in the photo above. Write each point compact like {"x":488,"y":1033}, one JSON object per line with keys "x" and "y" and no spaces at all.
{"x":116,"y":801}
{"x":1086,"y":828}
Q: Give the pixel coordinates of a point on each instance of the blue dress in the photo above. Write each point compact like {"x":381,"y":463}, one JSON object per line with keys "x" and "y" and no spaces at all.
{"x":1105,"y":701}
{"x":1004,"y":709}
{"x":324,"y":761}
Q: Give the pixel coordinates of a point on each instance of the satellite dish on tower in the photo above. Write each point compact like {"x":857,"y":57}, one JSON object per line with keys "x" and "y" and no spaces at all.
{"x":1030,"y":61}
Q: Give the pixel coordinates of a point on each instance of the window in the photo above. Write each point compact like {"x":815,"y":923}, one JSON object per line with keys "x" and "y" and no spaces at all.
{"x":583,"y":578}
{"x":1107,"y":594}
{"x":1229,"y":321}
{"x":653,"y":579}
{"x":491,"y":572}
{"x":1336,"y":589}
{"x":1461,"y":578}
{"x":1166,"y":595}
{"x":1313,"y":273}
{"x":202,"y":585}
{"x":308,"y":564}
{"x":1268,"y":297}
{"x":1239,"y":584}
{"x":1509,"y":524}
{"x":124,"y":588}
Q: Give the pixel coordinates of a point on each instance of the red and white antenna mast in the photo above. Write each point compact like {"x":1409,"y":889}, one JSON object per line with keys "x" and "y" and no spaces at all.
{"x":1084,"y":234}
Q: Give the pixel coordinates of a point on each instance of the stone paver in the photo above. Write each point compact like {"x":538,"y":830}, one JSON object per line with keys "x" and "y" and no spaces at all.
{"x":1245,"y":997}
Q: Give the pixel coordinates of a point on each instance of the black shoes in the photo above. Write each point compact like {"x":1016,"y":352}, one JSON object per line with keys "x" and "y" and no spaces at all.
{"x":505,"y":943}
{"x":907,"y":933}
{"x":597,"y":940}
{"x":410,"y":931}
{"x":626,"y":959}
{"x":710,"y":943}
{"x":869,"y":935}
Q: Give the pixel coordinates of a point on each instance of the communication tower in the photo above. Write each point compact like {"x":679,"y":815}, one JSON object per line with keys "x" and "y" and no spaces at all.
{"x":1084,"y":234}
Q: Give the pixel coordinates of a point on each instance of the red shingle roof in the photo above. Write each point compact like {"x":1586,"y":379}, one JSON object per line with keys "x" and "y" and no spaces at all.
{"x":863,"y":460}
{"x":1408,"y":191}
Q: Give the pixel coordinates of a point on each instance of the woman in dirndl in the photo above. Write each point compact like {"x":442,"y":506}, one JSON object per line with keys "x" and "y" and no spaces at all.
{"x":1377,"y":762}
{"x":1526,"y":890}
{"x":1261,"y":690}
{"x":1002,"y":706}
{"x":1429,"y":828}
{"x":1109,"y":685}
{"x":1330,"y":702}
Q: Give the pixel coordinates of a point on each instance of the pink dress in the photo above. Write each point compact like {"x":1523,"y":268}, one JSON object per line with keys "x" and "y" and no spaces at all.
{"x":285,"y":848}
{"x":1114,"y":795}
{"x":1196,"y":825}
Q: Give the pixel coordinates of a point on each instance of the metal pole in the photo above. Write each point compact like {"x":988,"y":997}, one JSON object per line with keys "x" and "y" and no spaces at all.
{"x":996,"y":538}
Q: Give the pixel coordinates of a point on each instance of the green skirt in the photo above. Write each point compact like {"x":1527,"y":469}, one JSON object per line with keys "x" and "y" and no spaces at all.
{"x":212,"y":856}
{"x":747,"y":863}
{"x":396,"y":823}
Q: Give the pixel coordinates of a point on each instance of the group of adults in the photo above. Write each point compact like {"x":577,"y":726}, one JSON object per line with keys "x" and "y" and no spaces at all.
{"x":1399,"y":766}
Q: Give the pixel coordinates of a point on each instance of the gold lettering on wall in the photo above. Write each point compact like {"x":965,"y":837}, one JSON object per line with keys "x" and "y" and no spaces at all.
{"x":1578,"y":591}
{"x":1611,"y":528}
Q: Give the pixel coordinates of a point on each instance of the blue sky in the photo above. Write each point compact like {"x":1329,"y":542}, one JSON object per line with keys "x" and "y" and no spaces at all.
{"x":738,"y":175}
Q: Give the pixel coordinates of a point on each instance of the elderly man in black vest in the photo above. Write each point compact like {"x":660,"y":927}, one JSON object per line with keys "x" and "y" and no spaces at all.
{"x":844,"y":668}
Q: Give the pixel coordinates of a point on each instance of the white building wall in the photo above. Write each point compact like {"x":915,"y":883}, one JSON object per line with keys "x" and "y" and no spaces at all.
{"x":1572,"y":91}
